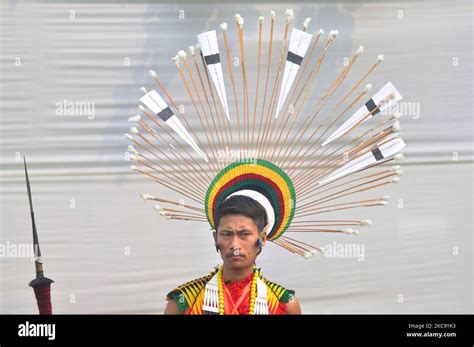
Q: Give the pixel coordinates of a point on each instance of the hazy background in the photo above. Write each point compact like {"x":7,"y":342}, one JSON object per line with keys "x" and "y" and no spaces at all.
{"x":110,"y":252}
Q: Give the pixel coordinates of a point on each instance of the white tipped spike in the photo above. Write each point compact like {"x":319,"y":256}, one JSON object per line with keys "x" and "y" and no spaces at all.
{"x":360,"y":50}
{"x":320,"y":249}
{"x":261,"y":19}
{"x":143,"y":89}
{"x":382,"y":203}
{"x":152,"y":74}
{"x":306,"y":23}
{"x":135,"y":118}
{"x":161,"y":210}
{"x":350,"y":231}
{"x":396,"y":126}
{"x":333,"y":34}
{"x":134,"y":130}
{"x":385,"y":197}
{"x":182,"y":54}
{"x":223,"y":26}
{"x":314,"y":251}
{"x":289,"y":14}
{"x":380,"y":58}
{"x":399,"y":157}
{"x":395,"y":180}
{"x":132,"y":149}
{"x":239,"y":19}
{"x":307,"y":255}
{"x":273,"y":14}
{"x":395,"y":168}
{"x":133,"y":168}
{"x":320,"y":31}
{"x":399,"y":172}
{"x":368,"y":88}
{"x":128,"y":136}
{"x":366,"y":222}
{"x":141,"y":108}
{"x":133,"y":157}
{"x":175,"y":60}
{"x":146,"y":197}
{"x":192,"y":50}
{"x":397,"y":115}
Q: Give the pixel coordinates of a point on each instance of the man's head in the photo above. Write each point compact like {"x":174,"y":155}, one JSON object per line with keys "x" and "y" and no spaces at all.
{"x":240,"y":223}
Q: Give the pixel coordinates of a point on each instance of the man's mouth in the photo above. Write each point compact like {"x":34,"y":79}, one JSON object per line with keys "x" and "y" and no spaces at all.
{"x":232,"y":255}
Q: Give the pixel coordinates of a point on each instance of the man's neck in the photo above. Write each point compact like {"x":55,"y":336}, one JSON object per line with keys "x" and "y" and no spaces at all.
{"x":236,"y":275}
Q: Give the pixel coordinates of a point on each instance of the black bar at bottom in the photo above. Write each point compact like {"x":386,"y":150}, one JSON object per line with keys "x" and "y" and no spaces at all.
{"x":107,"y":330}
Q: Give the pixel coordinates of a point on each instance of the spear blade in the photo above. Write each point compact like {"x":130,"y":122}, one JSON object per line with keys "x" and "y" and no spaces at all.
{"x":37,"y":249}
{"x":41,"y":284}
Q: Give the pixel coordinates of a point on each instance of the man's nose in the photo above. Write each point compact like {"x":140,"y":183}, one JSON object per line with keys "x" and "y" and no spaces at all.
{"x":234,"y":244}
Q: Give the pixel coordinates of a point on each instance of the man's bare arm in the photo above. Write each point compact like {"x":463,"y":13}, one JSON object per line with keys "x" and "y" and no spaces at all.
{"x":172,"y":308}
{"x":293,"y":307}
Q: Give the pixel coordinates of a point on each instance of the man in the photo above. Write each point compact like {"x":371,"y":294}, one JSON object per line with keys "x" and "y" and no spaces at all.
{"x":237,"y":287}
{"x":210,"y":191}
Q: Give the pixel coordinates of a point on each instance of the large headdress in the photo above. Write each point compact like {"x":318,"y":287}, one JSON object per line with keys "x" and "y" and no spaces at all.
{"x":300,"y":159}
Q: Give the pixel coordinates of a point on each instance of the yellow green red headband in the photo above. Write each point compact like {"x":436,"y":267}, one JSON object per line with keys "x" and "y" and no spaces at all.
{"x":262,"y":177}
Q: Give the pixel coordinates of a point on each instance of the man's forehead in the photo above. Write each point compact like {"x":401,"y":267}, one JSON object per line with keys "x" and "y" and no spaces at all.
{"x":236,"y":221}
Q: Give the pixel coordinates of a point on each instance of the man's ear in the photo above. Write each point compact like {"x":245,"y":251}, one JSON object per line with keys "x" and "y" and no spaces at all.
{"x":264,"y":237}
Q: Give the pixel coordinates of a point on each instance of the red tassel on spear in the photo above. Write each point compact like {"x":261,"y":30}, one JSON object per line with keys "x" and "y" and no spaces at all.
{"x":41,"y":285}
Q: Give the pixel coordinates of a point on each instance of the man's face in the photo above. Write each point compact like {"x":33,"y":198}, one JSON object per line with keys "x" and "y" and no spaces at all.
{"x":237,"y":237}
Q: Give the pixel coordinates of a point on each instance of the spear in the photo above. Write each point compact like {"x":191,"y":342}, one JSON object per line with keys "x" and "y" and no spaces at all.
{"x":41,"y":285}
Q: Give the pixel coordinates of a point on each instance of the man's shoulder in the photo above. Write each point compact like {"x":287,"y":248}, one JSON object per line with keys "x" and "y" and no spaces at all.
{"x":186,"y":294}
{"x":281,"y":293}
{"x":198,"y":282}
